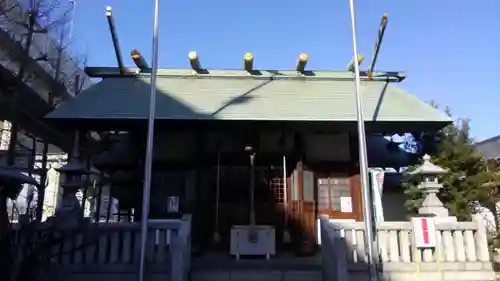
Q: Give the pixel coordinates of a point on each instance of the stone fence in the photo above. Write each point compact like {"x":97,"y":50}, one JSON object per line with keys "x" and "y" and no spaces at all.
{"x":461,"y":252}
{"x":111,"y":251}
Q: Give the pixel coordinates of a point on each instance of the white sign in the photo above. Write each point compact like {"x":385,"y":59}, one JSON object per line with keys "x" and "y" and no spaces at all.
{"x":173,"y":204}
{"x":346,"y":204}
{"x":424,"y":232}
{"x":377,"y":181}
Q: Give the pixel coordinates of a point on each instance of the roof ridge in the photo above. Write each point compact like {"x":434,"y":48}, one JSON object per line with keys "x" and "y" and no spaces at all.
{"x":494,"y":138}
{"x":103,"y":72}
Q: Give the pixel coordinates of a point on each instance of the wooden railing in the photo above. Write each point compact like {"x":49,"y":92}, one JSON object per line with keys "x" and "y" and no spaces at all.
{"x":114,"y":248}
{"x":461,"y":246}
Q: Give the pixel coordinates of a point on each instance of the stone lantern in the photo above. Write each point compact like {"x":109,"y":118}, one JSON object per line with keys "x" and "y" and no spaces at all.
{"x":428,"y":175}
{"x":73,"y":177}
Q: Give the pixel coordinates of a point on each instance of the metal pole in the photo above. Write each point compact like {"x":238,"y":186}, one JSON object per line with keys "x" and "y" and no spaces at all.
{"x":363,"y":161}
{"x":149,"y":147}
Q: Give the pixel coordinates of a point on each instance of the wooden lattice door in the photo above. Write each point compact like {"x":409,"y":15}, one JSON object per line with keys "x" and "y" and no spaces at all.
{"x":277,"y":187}
{"x":273,"y":210}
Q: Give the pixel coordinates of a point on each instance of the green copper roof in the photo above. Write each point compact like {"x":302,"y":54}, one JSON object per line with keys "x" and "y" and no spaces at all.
{"x":236,"y":95}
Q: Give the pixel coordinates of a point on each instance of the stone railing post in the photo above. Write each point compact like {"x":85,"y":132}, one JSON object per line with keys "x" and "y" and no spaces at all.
{"x":428,"y":174}
{"x":481,"y":237}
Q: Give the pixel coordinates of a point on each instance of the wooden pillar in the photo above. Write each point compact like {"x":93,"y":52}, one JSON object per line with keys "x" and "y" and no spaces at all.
{"x":98,"y":199}
{"x":298,"y":223}
{"x":201,"y":216}
{"x":355,"y":179}
{"x":307,"y":206}
{"x":139,"y":136}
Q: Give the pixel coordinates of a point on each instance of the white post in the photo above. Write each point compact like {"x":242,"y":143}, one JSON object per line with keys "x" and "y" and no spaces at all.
{"x":149,"y":148}
{"x":370,"y":249}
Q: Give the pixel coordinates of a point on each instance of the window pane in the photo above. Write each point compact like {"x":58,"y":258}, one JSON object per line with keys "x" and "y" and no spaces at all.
{"x":340,"y":188}
{"x":339,"y":181}
{"x":336,"y":206}
{"x":323,"y":191}
{"x":295,"y":185}
{"x":308,"y":185}
{"x":323,"y":181}
{"x":323,"y":197}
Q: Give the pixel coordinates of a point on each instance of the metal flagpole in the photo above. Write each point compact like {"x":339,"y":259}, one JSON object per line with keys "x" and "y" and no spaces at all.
{"x":149,"y":147}
{"x":363,"y":161}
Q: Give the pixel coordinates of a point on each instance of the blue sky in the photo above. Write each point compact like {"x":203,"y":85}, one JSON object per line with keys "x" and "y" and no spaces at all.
{"x":450,"y":50}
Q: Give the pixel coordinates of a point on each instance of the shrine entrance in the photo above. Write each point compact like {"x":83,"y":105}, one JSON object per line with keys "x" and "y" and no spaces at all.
{"x":234,"y":207}
{"x":228,"y":197}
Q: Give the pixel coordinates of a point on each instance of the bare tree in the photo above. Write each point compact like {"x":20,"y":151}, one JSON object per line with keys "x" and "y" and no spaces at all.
{"x":35,"y":47}
{"x":40,"y":57}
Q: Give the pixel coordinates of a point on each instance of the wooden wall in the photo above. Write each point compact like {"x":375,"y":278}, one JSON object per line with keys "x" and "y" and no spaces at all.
{"x":185,"y":166}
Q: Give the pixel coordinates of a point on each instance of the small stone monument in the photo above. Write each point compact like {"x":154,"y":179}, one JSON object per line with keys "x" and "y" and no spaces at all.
{"x":428,"y":174}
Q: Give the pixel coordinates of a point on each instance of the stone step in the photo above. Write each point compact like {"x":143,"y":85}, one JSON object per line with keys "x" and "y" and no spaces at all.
{"x":254,"y":275}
